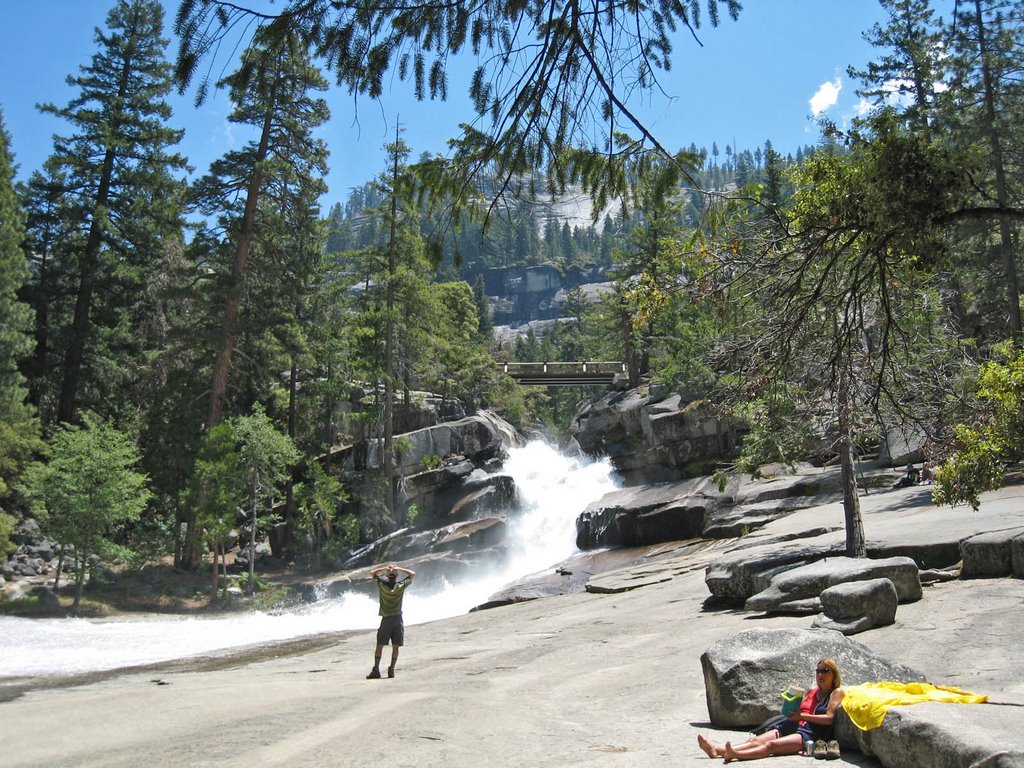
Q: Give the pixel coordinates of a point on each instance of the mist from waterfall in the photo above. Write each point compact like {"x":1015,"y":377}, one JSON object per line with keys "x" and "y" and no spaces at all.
{"x":553,"y":489}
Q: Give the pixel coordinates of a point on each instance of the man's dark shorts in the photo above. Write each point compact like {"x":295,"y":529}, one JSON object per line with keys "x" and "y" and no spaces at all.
{"x":392,"y":630}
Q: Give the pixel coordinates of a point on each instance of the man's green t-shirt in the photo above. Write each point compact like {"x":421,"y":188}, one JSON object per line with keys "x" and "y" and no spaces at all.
{"x":391,"y":596}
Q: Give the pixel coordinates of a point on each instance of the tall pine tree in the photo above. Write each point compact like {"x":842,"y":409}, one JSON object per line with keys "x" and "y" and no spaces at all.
{"x":250,"y":191}
{"x":120,"y":191}
{"x":19,"y":431}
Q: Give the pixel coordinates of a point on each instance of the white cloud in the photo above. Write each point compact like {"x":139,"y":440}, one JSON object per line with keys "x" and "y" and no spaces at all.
{"x":827,"y":96}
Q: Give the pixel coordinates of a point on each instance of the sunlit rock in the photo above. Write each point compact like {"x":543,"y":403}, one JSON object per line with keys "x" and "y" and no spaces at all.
{"x":744,"y":673}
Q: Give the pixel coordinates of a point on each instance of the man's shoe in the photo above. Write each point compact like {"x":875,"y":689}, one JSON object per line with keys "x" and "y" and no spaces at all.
{"x":832,"y":750}
{"x":391,"y":671}
{"x":374,"y":674}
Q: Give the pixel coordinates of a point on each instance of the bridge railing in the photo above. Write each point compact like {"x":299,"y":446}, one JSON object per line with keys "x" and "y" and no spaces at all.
{"x":559,"y":368}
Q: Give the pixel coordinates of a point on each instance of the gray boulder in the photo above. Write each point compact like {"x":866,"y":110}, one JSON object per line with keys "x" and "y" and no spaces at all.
{"x":479,"y":438}
{"x":738,"y":575}
{"x":935,"y":735}
{"x":651,"y":437}
{"x":457,"y":492}
{"x":989,"y":555}
{"x":47,"y":597}
{"x":797,"y":590}
{"x":634,"y":517}
{"x":857,"y":606}
{"x":1017,"y":556}
{"x":744,"y":673}
{"x":457,"y":538}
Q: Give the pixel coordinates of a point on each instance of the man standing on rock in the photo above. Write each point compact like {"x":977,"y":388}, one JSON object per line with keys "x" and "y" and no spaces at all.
{"x":392,"y":629}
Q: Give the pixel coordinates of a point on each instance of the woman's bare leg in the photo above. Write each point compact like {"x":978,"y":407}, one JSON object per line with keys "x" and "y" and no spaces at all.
{"x":745,"y":751}
{"x":784,"y":745}
{"x":713,"y":750}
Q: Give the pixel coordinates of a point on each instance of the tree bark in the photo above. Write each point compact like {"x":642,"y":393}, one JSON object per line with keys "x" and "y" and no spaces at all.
{"x":219,"y":387}
{"x":1006,"y":249}
{"x":83,"y":301}
{"x":88,"y":267}
{"x":252,"y":539}
{"x":213,"y":586}
{"x":222,"y":366}
{"x":389,"y":347}
{"x":79,"y":580}
{"x":855,"y":544}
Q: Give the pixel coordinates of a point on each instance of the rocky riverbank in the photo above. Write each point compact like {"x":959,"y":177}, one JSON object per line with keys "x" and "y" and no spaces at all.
{"x":606,"y":675}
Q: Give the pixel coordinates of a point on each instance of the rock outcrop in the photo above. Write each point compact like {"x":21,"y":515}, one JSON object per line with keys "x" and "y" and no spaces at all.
{"x":447,"y":472}
{"x":933,"y":735}
{"x":744,"y":673}
{"x":698,"y":507}
{"x":797,"y":590}
{"x":455,"y":492}
{"x":950,"y":537}
{"x":857,"y":606}
{"x":990,"y":555}
{"x":634,"y":517}
{"x":480,"y":438}
{"x":654,"y":436}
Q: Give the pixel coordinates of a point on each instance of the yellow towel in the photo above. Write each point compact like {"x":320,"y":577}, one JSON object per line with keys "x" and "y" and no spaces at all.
{"x":867,"y":704}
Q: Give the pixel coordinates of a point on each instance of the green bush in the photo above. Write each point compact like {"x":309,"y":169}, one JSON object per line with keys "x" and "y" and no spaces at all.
{"x":431,"y":461}
{"x":6,"y":531}
{"x":994,"y":440}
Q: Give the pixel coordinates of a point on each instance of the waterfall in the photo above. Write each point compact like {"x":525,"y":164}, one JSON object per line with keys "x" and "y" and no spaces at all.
{"x":553,"y":489}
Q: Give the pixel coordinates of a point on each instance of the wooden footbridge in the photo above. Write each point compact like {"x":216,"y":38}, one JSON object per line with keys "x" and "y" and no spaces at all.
{"x":560,"y":374}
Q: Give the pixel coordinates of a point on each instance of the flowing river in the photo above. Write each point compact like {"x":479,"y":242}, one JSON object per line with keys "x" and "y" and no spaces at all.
{"x":553,"y":489}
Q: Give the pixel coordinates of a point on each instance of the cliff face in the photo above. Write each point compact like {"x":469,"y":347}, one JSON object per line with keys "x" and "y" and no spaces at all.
{"x":523,"y":294}
{"x":652,"y":435}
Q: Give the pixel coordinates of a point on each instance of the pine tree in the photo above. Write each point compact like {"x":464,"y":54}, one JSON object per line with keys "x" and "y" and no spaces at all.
{"x":251,"y":190}
{"x":119,"y":185}
{"x":19,"y":429}
{"x":772,"y":175}
{"x":266,"y":248}
{"x":46,"y":230}
{"x":910,"y":67}
{"x":986,"y":107}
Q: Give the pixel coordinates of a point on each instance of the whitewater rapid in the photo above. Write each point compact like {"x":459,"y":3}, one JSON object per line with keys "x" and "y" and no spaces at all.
{"x":553,"y":489}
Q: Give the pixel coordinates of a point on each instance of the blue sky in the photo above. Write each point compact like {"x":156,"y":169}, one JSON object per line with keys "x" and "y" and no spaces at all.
{"x":763,"y":77}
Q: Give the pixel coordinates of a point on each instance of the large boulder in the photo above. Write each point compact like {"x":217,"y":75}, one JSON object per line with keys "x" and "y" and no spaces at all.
{"x":457,"y":491}
{"x":634,"y":517}
{"x":456,"y":539}
{"x":797,"y":590}
{"x":937,"y":735}
{"x":990,"y":555}
{"x":857,"y":606}
{"x":744,"y":673}
{"x":654,"y":436}
{"x":479,"y":438}
{"x":1017,"y":556}
{"x":738,"y":575}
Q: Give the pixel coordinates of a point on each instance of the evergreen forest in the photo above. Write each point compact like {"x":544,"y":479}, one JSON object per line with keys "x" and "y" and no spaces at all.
{"x":175,"y":357}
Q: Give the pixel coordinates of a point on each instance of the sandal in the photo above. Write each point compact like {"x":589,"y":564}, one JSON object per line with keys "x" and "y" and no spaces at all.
{"x":832,"y":750}
{"x":820,"y":750}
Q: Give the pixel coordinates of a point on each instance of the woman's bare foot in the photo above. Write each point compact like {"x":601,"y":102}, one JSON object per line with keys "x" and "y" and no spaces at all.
{"x":710,"y":749}
{"x":729,"y":754}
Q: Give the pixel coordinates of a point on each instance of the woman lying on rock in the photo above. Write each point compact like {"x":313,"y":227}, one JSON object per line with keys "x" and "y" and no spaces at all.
{"x":813,"y":722}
